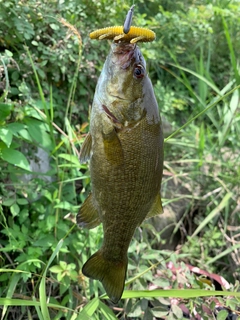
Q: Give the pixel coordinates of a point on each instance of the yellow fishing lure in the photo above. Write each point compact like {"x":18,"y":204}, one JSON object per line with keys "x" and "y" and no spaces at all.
{"x":125,"y":33}
{"x":116,"y":33}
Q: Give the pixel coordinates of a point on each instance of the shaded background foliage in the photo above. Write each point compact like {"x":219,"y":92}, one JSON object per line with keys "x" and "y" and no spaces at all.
{"x":200,"y":36}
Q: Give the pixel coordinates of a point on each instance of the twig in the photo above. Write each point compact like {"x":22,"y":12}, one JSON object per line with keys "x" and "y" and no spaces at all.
{"x":212,"y":192}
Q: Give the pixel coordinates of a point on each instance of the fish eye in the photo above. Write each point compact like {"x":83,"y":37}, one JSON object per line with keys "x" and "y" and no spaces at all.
{"x":139,"y":71}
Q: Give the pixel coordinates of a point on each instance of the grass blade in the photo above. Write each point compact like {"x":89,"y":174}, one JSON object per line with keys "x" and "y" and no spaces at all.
{"x":232,"y":54}
{"x":211,"y":215}
{"x":42,"y":287}
{"x":200,"y":77}
{"x":31,"y":303}
{"x":89,"y":309}
{"x":177,"y":293}
{"x":11,"y":288}
{"x":39,"y":313}
{"x":201,"y":113}
{"x":224,"y":253}
{"x":106,"y":312}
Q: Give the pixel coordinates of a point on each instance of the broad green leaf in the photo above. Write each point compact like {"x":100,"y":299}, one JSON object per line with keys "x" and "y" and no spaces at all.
{"x":47,"y":194}
{"x":56,"y":269}
{"x":38,"y":131}
{"x":35,"y":43}
{"x":8,"y":202}
{"x":177,"y":311}
{"x":30,"y":261}
{"x":25,"y":135}
{"x":8,"y":53}
{"x":70,"y":158}
{"x":5,"y":110}
{"x":232,"y":303}
{"x":16,"y":158}
{"x":63,"y":265}
{"x":15,"y":209}
{"x":54,"y":26}
{"x":45,"y":241}
{"x":15,"y":127}
{"x":136,"y":310}
{"x":6,"y":136}
{"x":222,"y":315}
{"x":160,"y":311}
{"x":22,"y":201}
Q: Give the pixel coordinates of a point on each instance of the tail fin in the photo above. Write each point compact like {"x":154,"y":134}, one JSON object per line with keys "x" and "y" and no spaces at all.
{"x":111,"y":274}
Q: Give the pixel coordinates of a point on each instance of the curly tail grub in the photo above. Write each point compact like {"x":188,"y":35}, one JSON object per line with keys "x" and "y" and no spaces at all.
{"x":116,"y":33}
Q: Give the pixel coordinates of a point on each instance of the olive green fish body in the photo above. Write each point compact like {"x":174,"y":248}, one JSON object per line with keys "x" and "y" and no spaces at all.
{"x":126,"y":160}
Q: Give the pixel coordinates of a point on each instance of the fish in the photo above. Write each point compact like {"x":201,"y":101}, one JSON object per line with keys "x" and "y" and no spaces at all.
{"x":125,"y":149}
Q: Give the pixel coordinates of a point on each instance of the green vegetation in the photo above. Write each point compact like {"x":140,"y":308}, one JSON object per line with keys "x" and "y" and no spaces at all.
{"x":48,"y":74}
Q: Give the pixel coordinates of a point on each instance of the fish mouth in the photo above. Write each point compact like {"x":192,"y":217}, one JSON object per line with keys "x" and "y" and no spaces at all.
{"x":124,"y":53}
{"x":122,"y":47}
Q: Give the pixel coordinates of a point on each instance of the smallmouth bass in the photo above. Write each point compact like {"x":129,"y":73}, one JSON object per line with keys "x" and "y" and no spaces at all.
{"x":125,"y":148}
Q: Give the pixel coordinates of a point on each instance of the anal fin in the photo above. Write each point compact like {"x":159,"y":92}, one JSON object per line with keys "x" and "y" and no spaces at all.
{"x":86,"y":149}
{"x":88,"y":216}
{"x":156,"y":208}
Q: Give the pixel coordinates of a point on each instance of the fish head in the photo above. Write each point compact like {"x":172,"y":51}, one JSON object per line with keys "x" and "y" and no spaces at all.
{"x":124,"y":90}
{"x":125,"y":68}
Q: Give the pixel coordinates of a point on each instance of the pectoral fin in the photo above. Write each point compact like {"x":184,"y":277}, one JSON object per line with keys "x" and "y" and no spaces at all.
{"x":88,"y":216}
{"x":86,"y":149}
{"x":113,"y":148}
{"x":156,"y":208}
{"x":112,"y":144}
